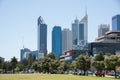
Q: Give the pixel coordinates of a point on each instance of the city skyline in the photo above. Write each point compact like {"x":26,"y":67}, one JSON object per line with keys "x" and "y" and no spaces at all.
{"x":19,"y":18}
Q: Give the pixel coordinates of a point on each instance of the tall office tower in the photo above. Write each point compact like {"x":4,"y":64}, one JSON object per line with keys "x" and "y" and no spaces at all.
{"x":102,"y":29}
{"x":80,"y":32}
{"x":66,"y":40}
{"x":57,"y":41}
{"x":75,"y":26}
{"x":116,"y":22}
{"x":42,"y":37}
{"x":83,"y":31}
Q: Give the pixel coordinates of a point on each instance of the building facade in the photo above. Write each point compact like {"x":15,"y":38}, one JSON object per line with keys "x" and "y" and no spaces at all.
{"x":42,"y":36}
{"x":66,"y":40}
{"x":83,"y":31}
{"x":109,"y":43}
{"x":102,"y":29}
{"x":2,"y":59}
{"x":80,"y":32}
{"x":57,"y":41}
{"x":25,"y":52}
{"x":75,"y":26}
{"x":109,"y":37}
{"x":116,"y":22}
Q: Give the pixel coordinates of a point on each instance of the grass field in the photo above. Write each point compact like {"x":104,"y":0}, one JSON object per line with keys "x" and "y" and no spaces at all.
{"x":51,"y":77}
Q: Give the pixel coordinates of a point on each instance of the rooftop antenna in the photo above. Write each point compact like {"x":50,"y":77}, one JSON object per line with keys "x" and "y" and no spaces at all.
{"x":86,"y":11}
{"x":23,"y":42}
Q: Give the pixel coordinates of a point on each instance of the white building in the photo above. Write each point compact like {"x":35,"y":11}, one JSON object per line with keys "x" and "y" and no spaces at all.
{"x":66,"y":40}
{"x":80,"y":32}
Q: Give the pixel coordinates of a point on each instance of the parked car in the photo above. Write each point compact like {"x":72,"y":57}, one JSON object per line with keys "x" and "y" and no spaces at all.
{"x":89,"y":72}
{"x":111,"y":73}
{"x":100,"y":73}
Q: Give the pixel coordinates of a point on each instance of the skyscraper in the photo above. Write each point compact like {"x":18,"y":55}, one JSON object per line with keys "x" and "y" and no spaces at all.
{"x":42,"y":37}
{"x":57,"y":41}
{"x":102,"y":29}
{"x":116,"y":22}
{"x":66,"y":40}
{"x":80,"y":32}
{"x":75,"y":26}
{"x":83,"y":31}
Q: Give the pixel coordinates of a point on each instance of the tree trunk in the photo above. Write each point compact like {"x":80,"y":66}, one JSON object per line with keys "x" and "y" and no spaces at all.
{"x":115,"y":73}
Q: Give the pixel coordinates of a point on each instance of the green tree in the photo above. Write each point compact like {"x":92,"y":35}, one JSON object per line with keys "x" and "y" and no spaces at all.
{"x":1,"y":64}
{"x":17,"y":69}
{"x":98,"y":62}
{"x":99,"y":57}
{"x":51,"y":55}
{"x":54,"y":64}
{"x":30,"y":60}
{"x":83,"y":63}
{"x":1,"y":70}
{"x":39,"y":65}
{"x":24,"y":62}
{"x":46,"y":64}
{"x":61,"y":67}
{"x":20,"y":65}
{"x":73,"y":66}
{"x":14,"y":63}
{"x":7,"y":66}
{"x":112,"y":62}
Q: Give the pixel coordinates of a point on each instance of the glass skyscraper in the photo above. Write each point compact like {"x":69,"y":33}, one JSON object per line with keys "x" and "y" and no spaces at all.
{"x":57,"y":41}
{"x":75,"y":26}
{"x":80,"y":32}
{"x":116,"y":22}
{"x":42,"y":37}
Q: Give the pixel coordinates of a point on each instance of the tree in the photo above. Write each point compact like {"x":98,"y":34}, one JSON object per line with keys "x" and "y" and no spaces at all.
{"x":20,"y":66}
{"x":17,"y":69}
{"x":1,"y":64}
{"x":54,"y":64}
{"x":98,"y":62}
{"x":51,"y":55}
{"x":112,"y":62}
{"x":30,"y":60}
{"x":24,"y":62}
{"x":35,"y":65}
{"x":14,"y":63}
{"x":61,"y":67}
{"x":73,"y":66}
{"x":7,"y":66}
{"x":83,"y":63}
{"x":99,"y":57}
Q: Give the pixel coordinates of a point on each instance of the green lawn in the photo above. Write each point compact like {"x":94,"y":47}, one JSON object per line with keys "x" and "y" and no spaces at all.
{"x":51,"y":77}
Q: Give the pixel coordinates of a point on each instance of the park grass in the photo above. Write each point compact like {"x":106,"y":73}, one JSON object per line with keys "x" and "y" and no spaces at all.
{"x":51,"y":77}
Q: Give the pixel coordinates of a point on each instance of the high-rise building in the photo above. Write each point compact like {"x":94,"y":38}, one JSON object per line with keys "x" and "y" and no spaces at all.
{"x":66,"y":40}
{"x":83,"y":31}
{"x":80,"y":32}
{"x":116,"y":22}
{"x":42,"y":37}
{"x":75,"y":26}
{"x":57,"y":41}
{"x":102,"y":29}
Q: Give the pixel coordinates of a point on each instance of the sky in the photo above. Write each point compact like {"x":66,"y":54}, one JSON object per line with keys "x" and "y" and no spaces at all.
{"x":18,"y":20}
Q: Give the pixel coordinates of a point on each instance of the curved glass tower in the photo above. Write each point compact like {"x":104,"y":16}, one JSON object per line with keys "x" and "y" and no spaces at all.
{"x":42,"y":37}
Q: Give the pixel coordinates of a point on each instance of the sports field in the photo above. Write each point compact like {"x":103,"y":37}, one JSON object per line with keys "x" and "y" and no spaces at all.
{"x":50,"y":77}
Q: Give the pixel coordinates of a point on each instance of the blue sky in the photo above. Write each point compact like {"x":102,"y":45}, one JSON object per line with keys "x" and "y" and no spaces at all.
{"x":18,"y":19}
